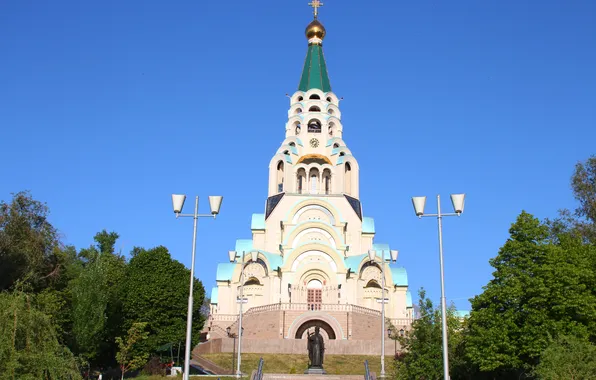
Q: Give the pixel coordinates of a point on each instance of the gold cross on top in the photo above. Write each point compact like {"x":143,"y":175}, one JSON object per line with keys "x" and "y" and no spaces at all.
{"x":316,"y":4}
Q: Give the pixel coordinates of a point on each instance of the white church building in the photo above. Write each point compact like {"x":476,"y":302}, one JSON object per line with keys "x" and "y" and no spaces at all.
{"x":307,"y":263}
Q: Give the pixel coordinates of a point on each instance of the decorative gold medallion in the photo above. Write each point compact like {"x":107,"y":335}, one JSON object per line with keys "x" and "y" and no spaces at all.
{"x":314,"y":143}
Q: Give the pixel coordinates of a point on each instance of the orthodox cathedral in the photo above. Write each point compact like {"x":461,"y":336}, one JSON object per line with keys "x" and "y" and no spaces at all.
{"x":308,"y":263}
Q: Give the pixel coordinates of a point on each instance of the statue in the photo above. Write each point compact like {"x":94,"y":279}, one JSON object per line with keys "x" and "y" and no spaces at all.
{"x":316,"y":350}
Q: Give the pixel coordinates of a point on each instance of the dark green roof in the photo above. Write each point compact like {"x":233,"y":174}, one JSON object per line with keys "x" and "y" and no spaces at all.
{"x":314,"y":74}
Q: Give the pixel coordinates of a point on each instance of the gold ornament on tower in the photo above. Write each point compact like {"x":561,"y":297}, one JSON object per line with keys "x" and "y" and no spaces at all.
{"x":315,"y":29}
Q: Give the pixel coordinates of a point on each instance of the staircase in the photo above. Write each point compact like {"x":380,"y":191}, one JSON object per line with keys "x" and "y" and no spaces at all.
{"x":273,"y":376}
{"x":208,"y":366}
{"x":274,"y":321}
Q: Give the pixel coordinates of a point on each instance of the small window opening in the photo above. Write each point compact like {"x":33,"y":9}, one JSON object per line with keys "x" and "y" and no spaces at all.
{"x":280,"y":176}
{"x":314,"y":109}
{"x":348,"y":179}
{"x":301,"y":181}
{"x":300,"y":98}
{"x":315,"y":96}
{"x":373,"y":284}
{"x":327,"y":181}
{"x":314,"y":179}
{"x":252,"y":281}
{"x":329,"y":99}
{"x":314,"y":126}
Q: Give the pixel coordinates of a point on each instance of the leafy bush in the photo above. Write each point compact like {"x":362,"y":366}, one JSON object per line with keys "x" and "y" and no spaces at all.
{"x":568,"y":358}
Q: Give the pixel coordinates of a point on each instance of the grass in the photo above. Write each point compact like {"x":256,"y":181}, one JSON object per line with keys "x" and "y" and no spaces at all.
{"x":274,"y":363}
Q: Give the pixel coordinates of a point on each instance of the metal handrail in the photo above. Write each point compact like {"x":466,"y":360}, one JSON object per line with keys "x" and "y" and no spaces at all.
{"x":259,"y":374}
{"x":309,"y":307}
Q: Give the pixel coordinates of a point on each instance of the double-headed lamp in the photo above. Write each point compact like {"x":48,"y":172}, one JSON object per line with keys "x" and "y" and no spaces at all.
{"x":214,"y":203}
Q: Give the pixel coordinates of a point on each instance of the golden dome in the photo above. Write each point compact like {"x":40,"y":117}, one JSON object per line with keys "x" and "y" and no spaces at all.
{"x":315,"y":29}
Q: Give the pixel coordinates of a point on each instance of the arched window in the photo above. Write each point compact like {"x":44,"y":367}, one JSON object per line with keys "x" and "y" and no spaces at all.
{"x":315,"y":96}
{"x":331,"y":111}
{"x":297,"y":127}
{"x":314,"y":109}
{"x":329,"y":99}
{"x":314,"y":126}
{"x":348,"y":178}
{"x":298,"y":110}
{"x":373,"y":284}
{"x":280,"y":176}
{"x":314,"y":297}
{"x":292,"y":143}
{"x":327,"y":181}
{"x":300,"y":181}
{"x":314,"y":180}
{"x":300,"y":98}
{"x":252,"y":281}
{"x":336,"y":145}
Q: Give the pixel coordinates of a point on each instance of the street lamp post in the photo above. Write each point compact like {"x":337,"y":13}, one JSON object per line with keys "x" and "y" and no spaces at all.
{"x":232,"y":256}
{"x":458,"y":206}
{"x":372,"y":254}
{"x":178,"y":204}
{"x":232,"y":335}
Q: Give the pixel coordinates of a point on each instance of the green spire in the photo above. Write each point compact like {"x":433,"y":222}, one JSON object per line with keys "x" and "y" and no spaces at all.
{"x":314,"y":74}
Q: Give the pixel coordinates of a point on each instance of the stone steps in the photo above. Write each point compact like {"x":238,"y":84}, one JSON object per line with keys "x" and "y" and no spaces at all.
{"x":274,"y":376}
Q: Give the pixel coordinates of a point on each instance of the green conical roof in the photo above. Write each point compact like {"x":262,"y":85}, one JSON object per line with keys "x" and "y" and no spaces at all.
{"x":314,"y":74}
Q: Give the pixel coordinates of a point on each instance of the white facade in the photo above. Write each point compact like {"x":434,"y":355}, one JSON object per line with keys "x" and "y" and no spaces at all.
{"x":313,"y":240}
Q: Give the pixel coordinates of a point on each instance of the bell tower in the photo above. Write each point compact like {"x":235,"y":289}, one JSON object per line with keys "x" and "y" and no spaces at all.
{"x":314,"y":159}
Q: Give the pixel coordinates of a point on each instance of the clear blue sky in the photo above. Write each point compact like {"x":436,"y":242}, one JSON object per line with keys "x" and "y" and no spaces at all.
{"x":106,"y":108}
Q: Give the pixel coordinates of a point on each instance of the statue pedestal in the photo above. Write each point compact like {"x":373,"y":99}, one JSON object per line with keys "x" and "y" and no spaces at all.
{"x":315,"y":371}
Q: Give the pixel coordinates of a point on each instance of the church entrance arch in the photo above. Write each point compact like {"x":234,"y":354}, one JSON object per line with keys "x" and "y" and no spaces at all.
{"x":309,"y":326}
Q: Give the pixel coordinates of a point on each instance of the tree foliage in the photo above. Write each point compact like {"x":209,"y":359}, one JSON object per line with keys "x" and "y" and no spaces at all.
{"x":29,"y":347}
{"x":68,"y":303}
{"x":96,"y":293}
{"x":156,"y":292}
{"x":539,"y":290}
{"x":28,"y":243}
{"x":582,"y":221}
{"x":129,"y":356}
{"x":568,"y":358}
{"x":423,"y":346}
{"x":583,"y":184}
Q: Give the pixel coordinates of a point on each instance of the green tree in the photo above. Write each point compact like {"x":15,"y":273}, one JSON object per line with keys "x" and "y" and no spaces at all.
{"x":582,"y":220}
{"x":29,"y":347}
{"x":568,"y":358}
{"x":156,"y":291}
{"x":583,"y":184}
{"x":129,"y":357}
{"x":96,"y":305}
{"x":28,"y":243}
{"x":90,"y":301}
{"x":32,"y":256}
{"x":538,"y":291}
{"x":422,"y":356}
